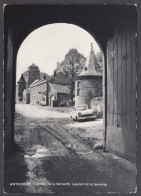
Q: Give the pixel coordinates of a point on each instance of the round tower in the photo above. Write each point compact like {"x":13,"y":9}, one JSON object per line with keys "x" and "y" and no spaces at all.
{"x":88,"y":84}
{"x":33,"y":74}
{"x":21,"y":87}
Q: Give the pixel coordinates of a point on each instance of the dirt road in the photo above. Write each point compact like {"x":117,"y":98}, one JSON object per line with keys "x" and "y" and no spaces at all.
{"x":59,"y":159}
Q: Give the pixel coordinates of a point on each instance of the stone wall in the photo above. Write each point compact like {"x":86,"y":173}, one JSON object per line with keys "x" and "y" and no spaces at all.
{"x":86,"y":89}
{"x":30,"y":76}
{"x":21,"y":87}
{"x":33,"y":75}
{"x":38,"y":93}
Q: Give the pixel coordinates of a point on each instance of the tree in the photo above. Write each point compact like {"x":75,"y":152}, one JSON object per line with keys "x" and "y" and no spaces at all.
{"x":100,"y":62}
{"x":72,"y":65}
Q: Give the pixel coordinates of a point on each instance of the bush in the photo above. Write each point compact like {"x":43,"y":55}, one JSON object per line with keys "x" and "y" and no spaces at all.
{"x":97,"y":106}
{"x":98,"y":114}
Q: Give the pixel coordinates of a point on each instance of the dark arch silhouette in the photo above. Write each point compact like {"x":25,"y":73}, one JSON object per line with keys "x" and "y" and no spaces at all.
{"x":101,"y":21}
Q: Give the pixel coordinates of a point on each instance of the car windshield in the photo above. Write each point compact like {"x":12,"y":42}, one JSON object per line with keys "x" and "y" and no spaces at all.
{"x":81,"y":108}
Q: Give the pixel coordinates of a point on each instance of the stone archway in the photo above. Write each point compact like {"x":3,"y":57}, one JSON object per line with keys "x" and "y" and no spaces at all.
{"x":101,"y":21}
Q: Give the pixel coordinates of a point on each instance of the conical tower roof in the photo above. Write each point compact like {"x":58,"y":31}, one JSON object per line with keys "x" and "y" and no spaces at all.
{"x":21,"y":79}
{"x":91,"y":64}
{"x":33,"y":67}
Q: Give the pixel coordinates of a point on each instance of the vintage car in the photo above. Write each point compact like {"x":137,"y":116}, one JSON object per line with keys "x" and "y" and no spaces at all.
{"x":81,"y":112}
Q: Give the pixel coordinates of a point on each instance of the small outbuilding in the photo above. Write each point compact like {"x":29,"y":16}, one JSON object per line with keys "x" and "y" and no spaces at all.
{"x":59,"y":95}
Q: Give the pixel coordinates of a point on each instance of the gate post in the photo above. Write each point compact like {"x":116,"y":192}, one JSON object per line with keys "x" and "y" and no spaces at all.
{"x":105,"y":97}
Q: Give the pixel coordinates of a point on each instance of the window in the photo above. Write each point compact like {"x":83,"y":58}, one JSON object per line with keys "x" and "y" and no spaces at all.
{"x":78,"y":88}
{"x":78,"y":91}
{"x":43,"y":98}
{"x":78,"y":84}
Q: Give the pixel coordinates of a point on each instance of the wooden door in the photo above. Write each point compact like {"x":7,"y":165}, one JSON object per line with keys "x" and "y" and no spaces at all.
{"x":121,"y":93}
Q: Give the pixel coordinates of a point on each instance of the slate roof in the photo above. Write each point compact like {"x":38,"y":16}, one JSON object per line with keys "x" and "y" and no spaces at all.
{"x":21,"y":79}
{"x":60,"y":88}
{"x":37,"y":82}
{"x":33,"y":67}
{"x":60,"y":78}
{"x":91,"y":64}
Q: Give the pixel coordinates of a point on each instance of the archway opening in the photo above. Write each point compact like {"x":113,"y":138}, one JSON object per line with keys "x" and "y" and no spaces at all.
{"x":46,"y":76}
{"x":51,"y":62}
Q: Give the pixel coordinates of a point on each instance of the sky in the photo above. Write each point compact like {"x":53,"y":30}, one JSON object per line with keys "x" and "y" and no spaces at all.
{"x":49,"y":44}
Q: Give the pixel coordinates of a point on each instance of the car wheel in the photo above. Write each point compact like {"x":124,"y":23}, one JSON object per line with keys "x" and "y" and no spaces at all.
{"x":72,"y":118}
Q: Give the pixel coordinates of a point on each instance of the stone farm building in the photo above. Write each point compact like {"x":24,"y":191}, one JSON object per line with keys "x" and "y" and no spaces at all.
{"x":28,"y":77}
{"x":35,"y":87}
{"x":88,"y":84}
{"x":59,"y":89}
{"x":59,"y":95}
{"x":38,"y":92}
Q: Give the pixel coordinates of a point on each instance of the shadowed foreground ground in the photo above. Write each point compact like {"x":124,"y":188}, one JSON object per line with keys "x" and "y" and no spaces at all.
{"x":56,"y":155}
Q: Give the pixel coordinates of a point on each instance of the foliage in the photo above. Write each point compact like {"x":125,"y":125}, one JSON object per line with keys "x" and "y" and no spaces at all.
{"x":97,"y":106}
{"x":100,"y":62}
{"x":72,"y":65}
